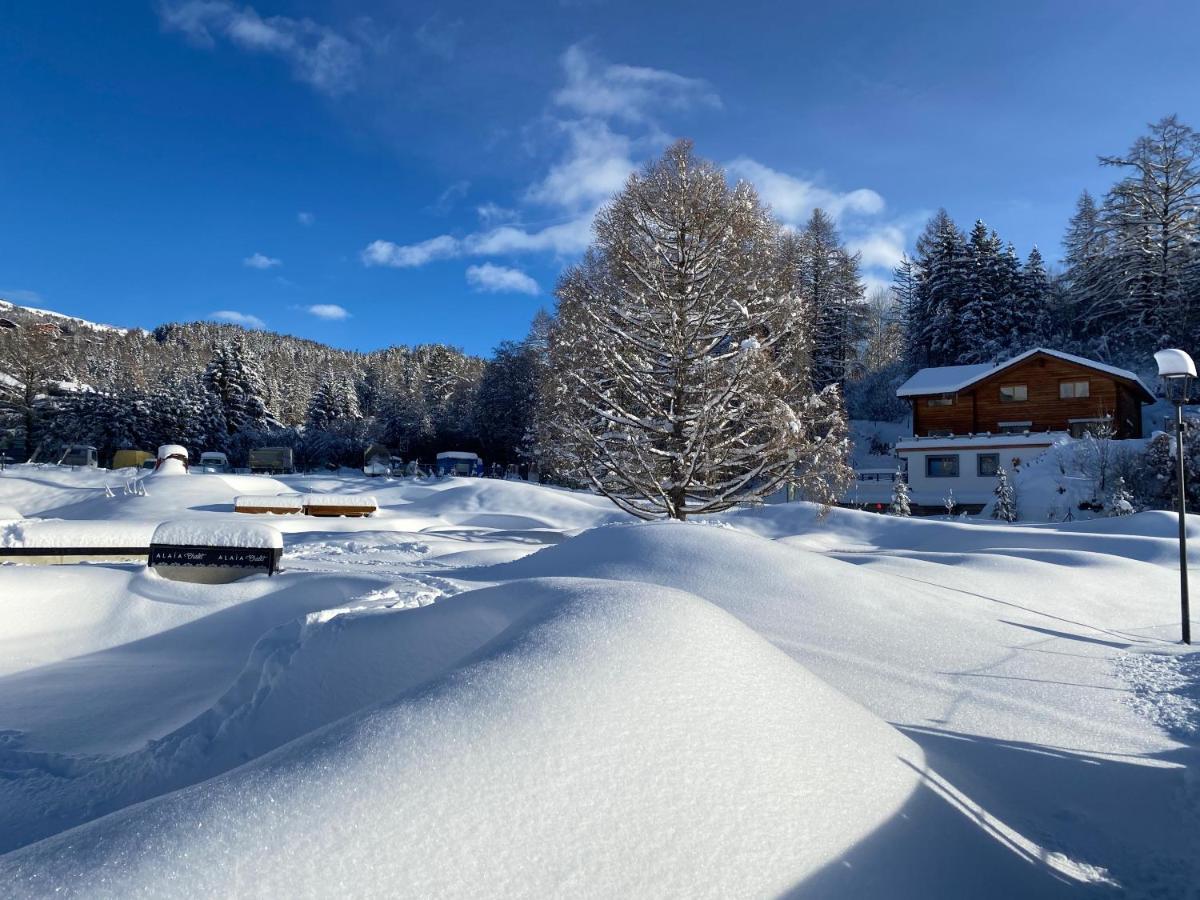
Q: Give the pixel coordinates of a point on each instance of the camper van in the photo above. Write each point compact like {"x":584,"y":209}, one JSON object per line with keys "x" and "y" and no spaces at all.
{"x":377,"y":460}
{"x":457,"y":462}
{"x":272,"y":461}
{"x":214,"y":462}
{"x":80,"y":455}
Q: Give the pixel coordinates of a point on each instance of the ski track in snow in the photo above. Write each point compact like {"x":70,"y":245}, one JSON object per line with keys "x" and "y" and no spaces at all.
{"x":1047,"y":721}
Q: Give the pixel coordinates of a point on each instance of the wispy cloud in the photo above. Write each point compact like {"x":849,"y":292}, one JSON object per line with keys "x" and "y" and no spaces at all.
{"x":317,"y":54}
{"x":261,"y":261}
{"x":233,"y":317}
{"x":19,"y":295}
{"x":330,"y":311}
{"x":306,"y":218}
{"x":439,"y":37}
{"x":449,"y":197}
{"x":598,"y":89}
{"x":494,"y":279}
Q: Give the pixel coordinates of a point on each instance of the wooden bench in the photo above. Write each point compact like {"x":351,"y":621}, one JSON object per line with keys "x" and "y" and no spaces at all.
{"x":281,"y":505}
{"x":324,"y":505}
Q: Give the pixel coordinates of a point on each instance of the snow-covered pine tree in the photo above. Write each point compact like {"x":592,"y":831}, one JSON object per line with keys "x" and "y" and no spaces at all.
{"x":827,"y":278}
{"x":1005,"y":508}
{"x":334,"y":402}
{"x":1153,"y":218}
{"x":943,"y":291}
{"x":900,"y":505}
{"x":1091,"y":295}
{"x":1120,"y":501}
{"x":235,"y":378}
{"x":1032,"y":319}
{"x":666,"y":383}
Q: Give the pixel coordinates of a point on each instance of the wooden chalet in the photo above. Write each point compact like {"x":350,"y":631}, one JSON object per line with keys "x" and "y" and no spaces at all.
{"x":1038,"y":391}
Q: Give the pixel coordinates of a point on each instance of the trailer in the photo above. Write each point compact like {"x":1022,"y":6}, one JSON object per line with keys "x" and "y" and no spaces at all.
{"x":458,"y":462}
{"x":377,"y":460}
{"x":130,"y":459}
{"x":80,"y":455}
{"x":272,"y":461}
{"x":214,"y":462}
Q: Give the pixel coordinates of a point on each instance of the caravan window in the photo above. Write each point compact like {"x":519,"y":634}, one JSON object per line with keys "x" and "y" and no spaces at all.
{"x":941,"y":466}
{"x":986,"y":464}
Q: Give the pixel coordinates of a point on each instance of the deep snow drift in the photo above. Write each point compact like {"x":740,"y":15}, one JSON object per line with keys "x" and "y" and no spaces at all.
{"x":494,"y":687}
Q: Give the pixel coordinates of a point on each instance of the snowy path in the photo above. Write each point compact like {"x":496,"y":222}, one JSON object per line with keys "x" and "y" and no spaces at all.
{"x":480,"y":660}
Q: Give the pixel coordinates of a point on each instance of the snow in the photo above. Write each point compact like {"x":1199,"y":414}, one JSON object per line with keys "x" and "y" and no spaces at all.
{"x":279,"y":501}
{"x":95,"y":326}
{"x":942,"y":379}
{"x":951,"y":379}
{"x":199,"y":532}
{"x":457,"y":454}
{"x":63,"y":534}
{"x":501,"y":688}
{"x":360,"y":500}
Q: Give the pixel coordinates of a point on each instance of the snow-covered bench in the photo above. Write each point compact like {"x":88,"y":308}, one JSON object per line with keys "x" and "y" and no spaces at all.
{"x":283,"y":504}
{"x":207,"y":552}
{"x":339,"y":505}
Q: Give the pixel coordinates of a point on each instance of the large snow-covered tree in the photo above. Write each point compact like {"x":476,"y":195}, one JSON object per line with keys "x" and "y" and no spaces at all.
{"x":665,"y":381}
{"x":235,"y":378}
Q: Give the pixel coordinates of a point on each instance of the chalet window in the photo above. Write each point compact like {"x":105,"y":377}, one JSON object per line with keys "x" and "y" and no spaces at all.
{"x":1013,"y":427}
{"x":1013,"y":393}
{"x":941,"y":400}
{"x":1069,"y":390}
{"x":986,"y":464}
{"x":941,"y":466}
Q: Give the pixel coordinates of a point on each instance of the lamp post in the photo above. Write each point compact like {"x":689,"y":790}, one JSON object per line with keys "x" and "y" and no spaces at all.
{"x":1177,"y":370}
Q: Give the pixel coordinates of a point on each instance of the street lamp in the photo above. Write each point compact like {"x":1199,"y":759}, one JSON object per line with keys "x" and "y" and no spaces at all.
{"x":1177,"y":370}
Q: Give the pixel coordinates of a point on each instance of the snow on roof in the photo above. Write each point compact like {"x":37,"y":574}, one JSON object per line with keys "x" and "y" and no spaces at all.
{"x":167,"y":450}
{"x":267,"y":501}
{"x":1038,"y":439}
{"x":341,"y":500}
{"x":207,"y":533}
{"x":457,"y":454}
{"x":942,"y":379}
{"x":950,"y":379}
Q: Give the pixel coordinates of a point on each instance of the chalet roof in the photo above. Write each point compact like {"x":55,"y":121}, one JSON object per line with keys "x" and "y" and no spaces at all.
{"x":951,"y":379}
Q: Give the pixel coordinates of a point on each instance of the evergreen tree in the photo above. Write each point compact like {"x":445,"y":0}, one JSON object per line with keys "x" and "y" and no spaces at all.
{"x":236,"y":380}
{"x":900,"y":503}
{"x":942,"y":293}
{"x":1005,"y":508}
{"x":828,"y":281}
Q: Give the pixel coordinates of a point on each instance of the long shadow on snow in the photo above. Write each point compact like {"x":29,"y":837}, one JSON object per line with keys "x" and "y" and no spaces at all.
{"x":923,"y":851}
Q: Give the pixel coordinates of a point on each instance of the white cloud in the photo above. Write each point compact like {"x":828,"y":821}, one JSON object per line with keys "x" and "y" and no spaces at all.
{"x":597,"y":162}
{"x":793,"y":199}
{"x":306,"y":218}
{"x":261,"y":261}
{"x":237,"y":318}
{"x":330,"y":311}
{"x":880,"y":247}
{"x":494,"y":279}
{"x":603,"y":90}
{"x":404,"y":256}
{"x":318,"y":55}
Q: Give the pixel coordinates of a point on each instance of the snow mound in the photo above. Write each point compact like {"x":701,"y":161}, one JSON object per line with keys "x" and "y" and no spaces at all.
{"x":58,"y":535}
{"x":615,"y":740}
{"x":216,"y":533}
{"x":340,"y":500}
{"x":9,"y":513}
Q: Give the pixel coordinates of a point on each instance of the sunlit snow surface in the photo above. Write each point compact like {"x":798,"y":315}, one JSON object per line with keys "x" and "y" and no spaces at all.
{"x":498,"y":689}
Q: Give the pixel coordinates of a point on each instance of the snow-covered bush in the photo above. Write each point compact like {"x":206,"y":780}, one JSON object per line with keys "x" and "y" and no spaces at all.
{"x":1120,"y":501}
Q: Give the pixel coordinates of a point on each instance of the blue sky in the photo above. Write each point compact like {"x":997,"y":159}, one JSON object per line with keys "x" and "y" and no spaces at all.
{"x":382,"y":172}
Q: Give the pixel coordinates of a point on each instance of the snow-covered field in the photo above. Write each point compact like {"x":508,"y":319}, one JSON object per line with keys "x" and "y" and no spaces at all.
{"x":494,"y":688}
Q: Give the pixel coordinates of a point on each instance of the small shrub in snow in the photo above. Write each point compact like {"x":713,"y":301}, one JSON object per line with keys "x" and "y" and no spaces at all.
{"x":1120,"y":501}
{"x":1006,"y":500}
{"x":900,"y":504}
{"x":950,"y":503}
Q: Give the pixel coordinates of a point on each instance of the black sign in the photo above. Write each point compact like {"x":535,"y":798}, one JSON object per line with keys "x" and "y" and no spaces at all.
{"x":266,"y":559}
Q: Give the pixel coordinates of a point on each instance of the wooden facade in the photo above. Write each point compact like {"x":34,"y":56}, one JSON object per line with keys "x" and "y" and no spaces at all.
{"x":1028,"y":395}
